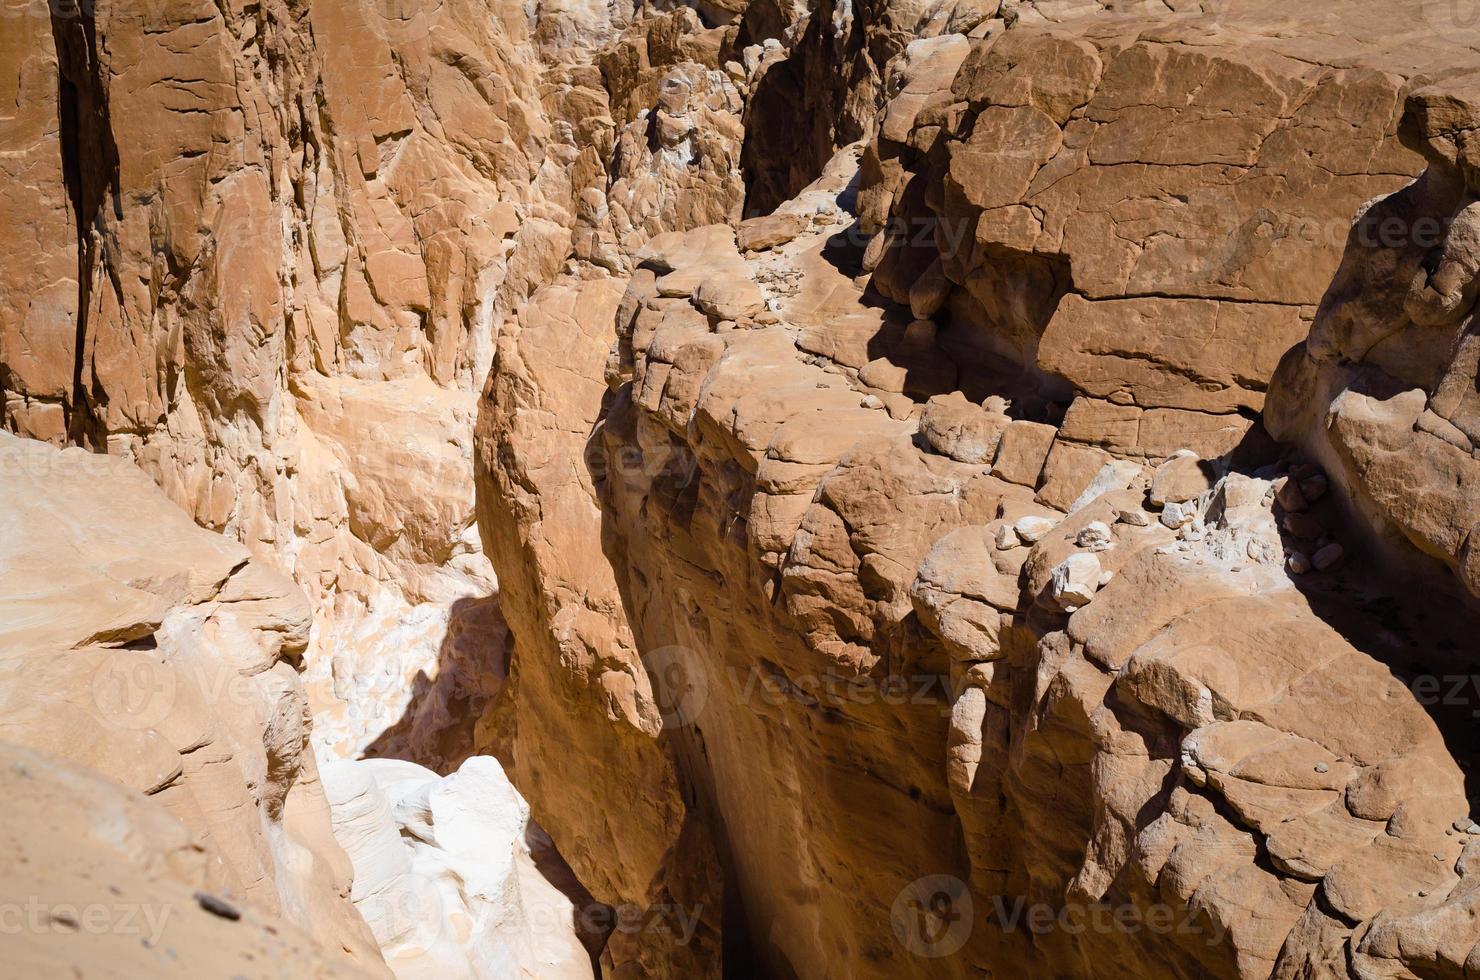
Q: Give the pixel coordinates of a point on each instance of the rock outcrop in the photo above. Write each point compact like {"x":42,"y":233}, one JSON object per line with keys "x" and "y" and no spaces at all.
{"x":1383,"y":391}
{"x":904,"y":488}
{"x":138,"y":645}
{"x":446,"y":873}
{"x":988,"y":629}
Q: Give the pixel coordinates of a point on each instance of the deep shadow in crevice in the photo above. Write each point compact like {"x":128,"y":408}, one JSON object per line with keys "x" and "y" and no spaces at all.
{"x":90,"y":171}
{"x":437,"y":729}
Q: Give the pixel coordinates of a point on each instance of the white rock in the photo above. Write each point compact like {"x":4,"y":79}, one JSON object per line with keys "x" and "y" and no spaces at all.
{"x":1075,"y":581}
{"x":1031,"y":529}
{"x":1095,"y":536}
{"x":445,"y":875}
{"x":1135,"y":518}
{"x":1007,"y":538}
{"x":1175,"y":516}
{"x":1262,"y":551}
{"x":1118,"y":474}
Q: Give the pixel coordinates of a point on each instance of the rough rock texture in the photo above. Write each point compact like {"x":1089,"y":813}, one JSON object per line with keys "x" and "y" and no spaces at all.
{"x":950,"y":546}
{"x":264,"y":251}
{"x":897,"y":572}
{"x":136,"y":644}
{"x":446,"y":874}
{"x":599,"y":751}
{"x":1383,"y":392}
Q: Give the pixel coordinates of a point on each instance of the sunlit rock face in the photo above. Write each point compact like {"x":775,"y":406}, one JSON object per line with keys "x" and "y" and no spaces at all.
{"x":162,"y":656}
{"x":446,"y":872}
{"x":893,"y":488}
{"x":953,"y":549}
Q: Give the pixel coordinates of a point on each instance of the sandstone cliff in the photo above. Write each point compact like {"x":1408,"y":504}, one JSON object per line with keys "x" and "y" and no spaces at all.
{"x":956,"y":558}
{"x":905,"y":488}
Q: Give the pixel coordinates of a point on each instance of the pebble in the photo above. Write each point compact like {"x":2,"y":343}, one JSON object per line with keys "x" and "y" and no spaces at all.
{"x":1328,"y":557}
{"x":1322,"y":767}
{"x":1298,"y":562}
{"x":1303,"y":526}
{"x":1032,"y":529}
{"x":1135,"y":518}
{"x":1313,"y":487}
{"x":1007,"y":538}
{"x":1175,"y":516}
{"x":217,"y":906}
{"x":1074,"y":580}
{"x":1094,"y":536}
{"x":1287,"y":494}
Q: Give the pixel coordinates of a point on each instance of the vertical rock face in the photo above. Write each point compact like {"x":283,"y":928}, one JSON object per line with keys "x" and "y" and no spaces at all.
{"x":599,"y":752}
{"x":987,"y":629}
{"x":869,"y":410}
{"x":1383,"y":390}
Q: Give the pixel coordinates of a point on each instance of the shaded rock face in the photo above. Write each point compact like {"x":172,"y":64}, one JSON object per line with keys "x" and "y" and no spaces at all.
{"x":1383,"y":390}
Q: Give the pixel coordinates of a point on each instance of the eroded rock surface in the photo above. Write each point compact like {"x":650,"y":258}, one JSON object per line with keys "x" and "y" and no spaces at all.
{"x":135,"y":644}
{"x":969,"y":585}
{"x":897,"y":571}
{"x":446,"y":873}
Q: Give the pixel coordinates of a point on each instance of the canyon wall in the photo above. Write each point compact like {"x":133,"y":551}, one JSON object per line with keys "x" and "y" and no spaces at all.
{"x":958,"y":559}
{"x":904,"y":489}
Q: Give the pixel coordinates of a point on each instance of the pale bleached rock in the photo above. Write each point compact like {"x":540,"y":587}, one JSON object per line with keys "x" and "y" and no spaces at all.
{"x":445,"y":873}
{"x":1075,"y":581}
{"x":162,"y":656}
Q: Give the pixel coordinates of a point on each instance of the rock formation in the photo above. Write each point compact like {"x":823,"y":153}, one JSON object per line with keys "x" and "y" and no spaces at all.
{"x":446,"y":873}
{"x":969,"y":587}
{"x":139,"y":645}
{"x":904,"y":488}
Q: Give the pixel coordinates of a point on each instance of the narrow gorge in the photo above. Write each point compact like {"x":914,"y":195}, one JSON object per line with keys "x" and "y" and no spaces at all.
{"x":746,"y":488}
